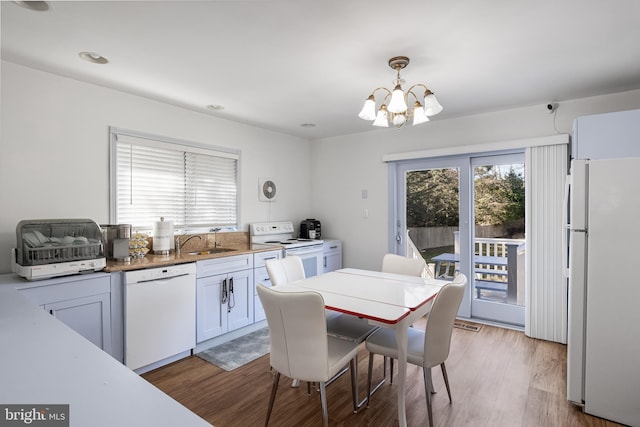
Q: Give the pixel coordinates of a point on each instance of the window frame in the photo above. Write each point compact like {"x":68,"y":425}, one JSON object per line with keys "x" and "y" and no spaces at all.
{"x":151,"y":140}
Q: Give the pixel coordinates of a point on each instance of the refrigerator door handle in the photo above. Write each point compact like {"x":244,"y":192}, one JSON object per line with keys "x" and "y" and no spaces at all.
{"x":567,"y":227}
{"x":565,"y":248}
{"x":566,"y":204}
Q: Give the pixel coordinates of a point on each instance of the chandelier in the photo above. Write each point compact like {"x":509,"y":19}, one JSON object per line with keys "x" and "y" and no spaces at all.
{"x":397,"y":111}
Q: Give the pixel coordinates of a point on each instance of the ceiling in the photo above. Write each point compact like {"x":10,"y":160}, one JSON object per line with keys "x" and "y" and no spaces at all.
{"x":279,"y":64}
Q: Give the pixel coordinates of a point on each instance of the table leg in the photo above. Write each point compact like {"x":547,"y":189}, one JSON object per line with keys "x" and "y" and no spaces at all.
{"x":401,"y":342}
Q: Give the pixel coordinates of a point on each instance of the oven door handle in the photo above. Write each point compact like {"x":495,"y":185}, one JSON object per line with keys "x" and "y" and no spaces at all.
{"x":305,"y":251}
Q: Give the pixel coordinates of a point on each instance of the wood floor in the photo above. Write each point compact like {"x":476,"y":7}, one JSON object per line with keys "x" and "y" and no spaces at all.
{"x":498,"y":377}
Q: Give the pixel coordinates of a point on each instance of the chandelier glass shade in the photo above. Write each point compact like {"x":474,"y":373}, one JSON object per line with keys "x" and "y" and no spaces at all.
{"x":397,"y":112}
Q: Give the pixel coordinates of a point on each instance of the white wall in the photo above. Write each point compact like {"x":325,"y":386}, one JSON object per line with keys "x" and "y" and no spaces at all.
{"x":343,"y":166}
{"x":54,"y":156}
{"x":54,"y":149}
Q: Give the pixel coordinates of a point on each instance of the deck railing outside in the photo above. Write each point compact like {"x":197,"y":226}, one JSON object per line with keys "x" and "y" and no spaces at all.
{"x":511,"y":274}
{"x":413,"y":252}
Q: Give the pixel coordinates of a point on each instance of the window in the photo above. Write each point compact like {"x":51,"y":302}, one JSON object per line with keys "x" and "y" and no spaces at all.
{"x":192,"y":185}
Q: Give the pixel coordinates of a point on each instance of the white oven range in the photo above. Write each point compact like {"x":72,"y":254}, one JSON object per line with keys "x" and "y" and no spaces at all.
{"x":281,"y":234}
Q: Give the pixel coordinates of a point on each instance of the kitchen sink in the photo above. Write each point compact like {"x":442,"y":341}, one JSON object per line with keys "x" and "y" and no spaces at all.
{"x":211,"y":251}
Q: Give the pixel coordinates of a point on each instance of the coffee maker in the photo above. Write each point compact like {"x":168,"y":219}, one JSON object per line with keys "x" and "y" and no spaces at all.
{"x":310,"y":224}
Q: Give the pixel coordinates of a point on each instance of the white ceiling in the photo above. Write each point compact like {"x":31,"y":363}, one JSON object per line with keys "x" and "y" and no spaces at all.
{"x":278,"y":64}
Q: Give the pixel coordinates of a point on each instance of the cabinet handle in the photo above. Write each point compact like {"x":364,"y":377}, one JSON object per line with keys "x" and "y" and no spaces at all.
{"x":225,"y":295}
{"x":232,"y":295}
{"x":333,"y":247}
{"x":51,"y":312}
{"x":271,"y":257}
{"x":325,"y":262}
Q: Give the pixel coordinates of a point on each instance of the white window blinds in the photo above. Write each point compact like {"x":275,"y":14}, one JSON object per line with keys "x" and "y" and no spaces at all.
{"x":153,"y":177}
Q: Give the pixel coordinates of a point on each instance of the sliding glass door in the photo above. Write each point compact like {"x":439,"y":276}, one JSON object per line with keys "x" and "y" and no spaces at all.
{"x":431,"y":216}
{"x":498,"y":238}
{"x":436,"y":200}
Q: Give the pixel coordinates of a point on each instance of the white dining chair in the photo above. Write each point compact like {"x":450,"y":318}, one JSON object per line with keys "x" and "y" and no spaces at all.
{"x":284,"y":270}
{"x":351,"y":328}
{"x":398,"y":264}
{"x":426,"y":348}
{"x":300,"y":346}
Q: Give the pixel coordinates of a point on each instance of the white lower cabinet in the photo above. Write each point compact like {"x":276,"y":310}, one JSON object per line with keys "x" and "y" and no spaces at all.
{"x":261,"y":276}
{"x":332,"y":253}
{"x":81,"y":302}
{"x":89,"y":316}
{"x":224,"y":295}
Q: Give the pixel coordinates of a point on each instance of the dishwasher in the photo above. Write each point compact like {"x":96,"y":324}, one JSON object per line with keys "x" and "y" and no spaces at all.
{"x":160,"y":315}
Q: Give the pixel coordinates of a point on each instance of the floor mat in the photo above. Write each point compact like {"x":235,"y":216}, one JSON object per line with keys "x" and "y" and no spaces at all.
{"x":238,"y":352}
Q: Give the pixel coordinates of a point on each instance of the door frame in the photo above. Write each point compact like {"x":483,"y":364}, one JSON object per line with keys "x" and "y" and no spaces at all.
{"x":397,"y":223}
{"x":495,"y":311}
{"x":398,"y":197}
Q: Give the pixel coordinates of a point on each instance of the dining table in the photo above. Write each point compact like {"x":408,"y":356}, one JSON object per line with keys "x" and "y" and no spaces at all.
{"x":385,"y":299}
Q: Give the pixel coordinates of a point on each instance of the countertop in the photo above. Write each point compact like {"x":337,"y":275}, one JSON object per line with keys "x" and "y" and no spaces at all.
{"x":151,"y":260}
{"x":42,"y":361}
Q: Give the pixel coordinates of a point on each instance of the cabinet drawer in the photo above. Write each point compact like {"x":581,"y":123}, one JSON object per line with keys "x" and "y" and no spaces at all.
{"x":48,"y":291}
{"x":260,"y":257}
{"x":224,"y":265}
{"x":332,"y":245}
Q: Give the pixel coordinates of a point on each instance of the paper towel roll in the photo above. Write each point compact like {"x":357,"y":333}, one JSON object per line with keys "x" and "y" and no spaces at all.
{"x":162,"y":236}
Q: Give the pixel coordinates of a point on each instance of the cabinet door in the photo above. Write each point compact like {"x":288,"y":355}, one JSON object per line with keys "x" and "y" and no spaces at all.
{"x":332,"y":253}
{"x":211,"y":318}
{"x":260,"y":276}
{"x":240,"y":305}
{"x":89,"y":316}
{"x":332,"y":261}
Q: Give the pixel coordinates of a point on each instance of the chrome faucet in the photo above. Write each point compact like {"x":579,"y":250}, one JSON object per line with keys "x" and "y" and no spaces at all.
{"x":178,"y":245}
{"x":215,"y":235}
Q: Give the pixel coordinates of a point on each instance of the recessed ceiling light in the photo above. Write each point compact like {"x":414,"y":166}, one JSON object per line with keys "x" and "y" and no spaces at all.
{"x":96,"y":58}
{"x":38,"y":6}
{"x":308,"y":125}
{"x":214,"y":107}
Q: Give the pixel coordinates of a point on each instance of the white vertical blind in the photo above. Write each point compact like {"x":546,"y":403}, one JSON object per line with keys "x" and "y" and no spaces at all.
{"x":153,"y":177}
{"x":546,"y":292}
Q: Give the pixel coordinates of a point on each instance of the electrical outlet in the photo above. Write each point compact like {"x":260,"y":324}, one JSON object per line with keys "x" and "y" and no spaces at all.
{"x":364,"y":194}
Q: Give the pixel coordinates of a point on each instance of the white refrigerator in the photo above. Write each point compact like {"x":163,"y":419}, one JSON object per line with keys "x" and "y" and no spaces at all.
{"x":603,"y":342}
